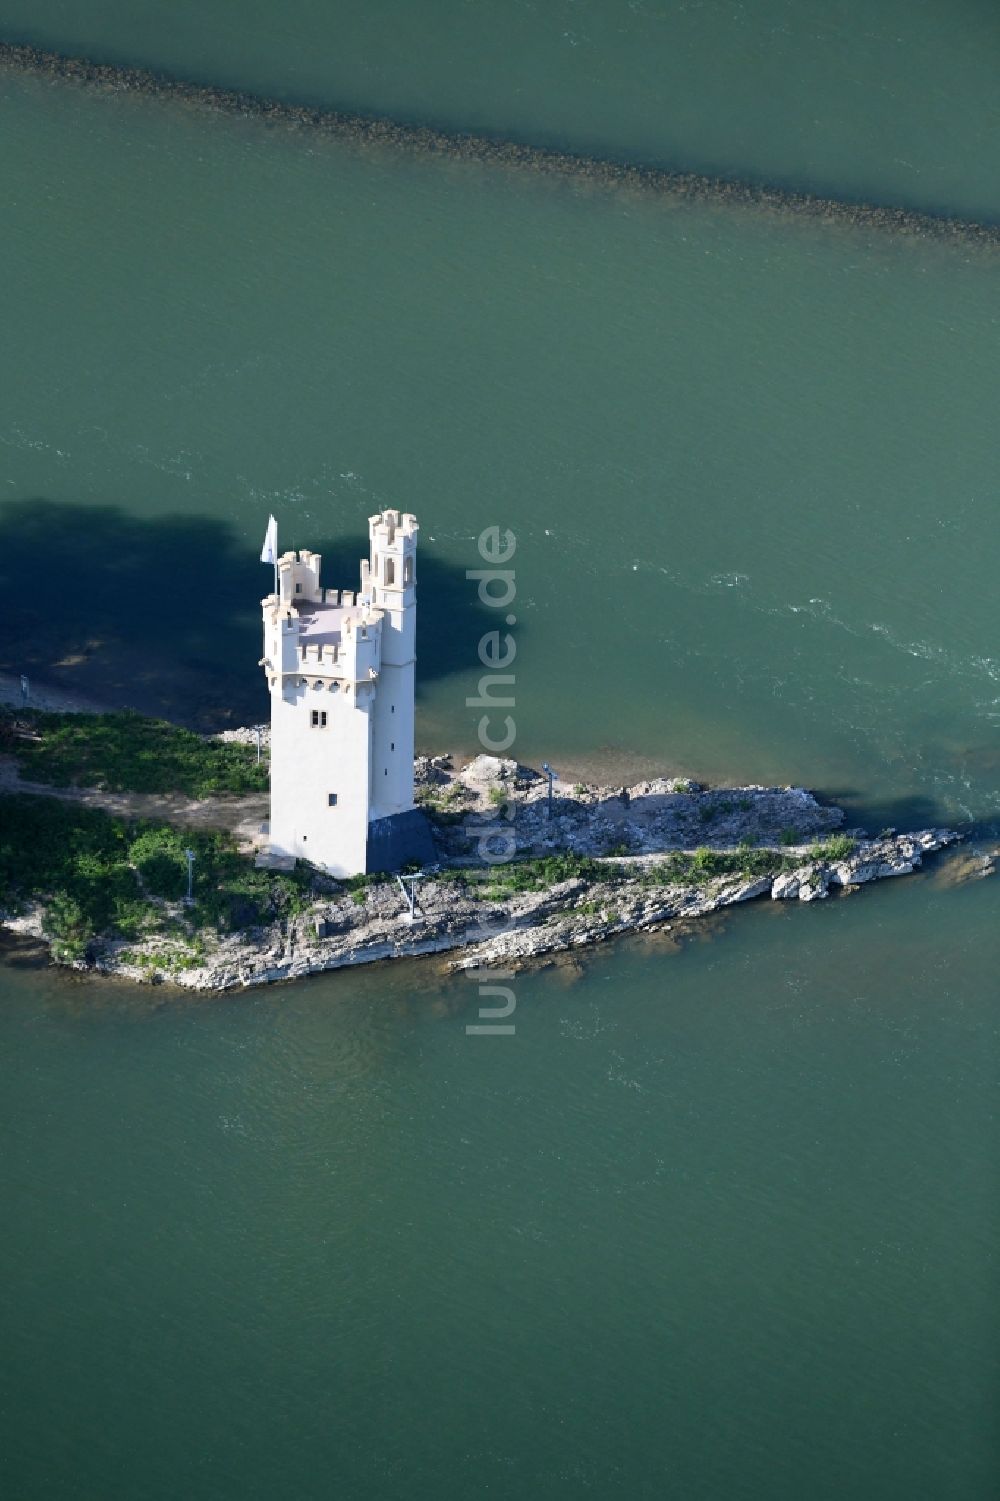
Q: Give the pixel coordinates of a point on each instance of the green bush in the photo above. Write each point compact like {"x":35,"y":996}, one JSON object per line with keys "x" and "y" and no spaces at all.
{"x":838,"y":847}
{"x":126,"y":752}
{"x":79,"y":862}
{"x":706,"y":862}
{"x":683,"y":869}
{"x":67,"y":925}
{"x":507,"y":879}
{"x":164,"y":875}
{"x":158,"y":856}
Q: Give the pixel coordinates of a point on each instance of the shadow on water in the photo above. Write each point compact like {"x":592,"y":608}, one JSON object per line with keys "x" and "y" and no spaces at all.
{"x":163,"y":614}
{"x":916,"y":810}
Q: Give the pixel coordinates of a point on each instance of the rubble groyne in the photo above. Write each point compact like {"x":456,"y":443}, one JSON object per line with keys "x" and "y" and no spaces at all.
{"x":599,"y":172}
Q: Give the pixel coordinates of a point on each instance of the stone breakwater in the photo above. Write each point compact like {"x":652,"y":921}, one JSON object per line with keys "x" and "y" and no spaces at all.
{"x":601,"y":862}
{"x":369,"y":131}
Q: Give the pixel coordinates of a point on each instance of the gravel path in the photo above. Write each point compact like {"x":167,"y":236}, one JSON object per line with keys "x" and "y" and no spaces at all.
{"x":242,"y":816}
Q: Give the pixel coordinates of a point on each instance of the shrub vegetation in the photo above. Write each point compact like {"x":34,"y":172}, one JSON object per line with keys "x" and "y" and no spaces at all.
{"x":838,"y":847}
{"x":126,"y":752}
{"x":105,"y":876}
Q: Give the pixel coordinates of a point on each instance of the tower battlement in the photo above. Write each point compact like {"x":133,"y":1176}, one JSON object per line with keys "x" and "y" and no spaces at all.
{"x":388,"y":525}
{"x":298,"y":576}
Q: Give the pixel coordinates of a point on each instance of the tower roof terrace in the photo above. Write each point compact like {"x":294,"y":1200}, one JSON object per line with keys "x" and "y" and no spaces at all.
{"x":322,"y":622}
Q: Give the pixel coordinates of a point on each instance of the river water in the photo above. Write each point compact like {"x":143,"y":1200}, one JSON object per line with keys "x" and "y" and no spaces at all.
{"x":715,"y":1221}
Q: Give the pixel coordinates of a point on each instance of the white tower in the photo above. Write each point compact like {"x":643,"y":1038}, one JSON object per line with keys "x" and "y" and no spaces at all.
{"x":340,"y":668}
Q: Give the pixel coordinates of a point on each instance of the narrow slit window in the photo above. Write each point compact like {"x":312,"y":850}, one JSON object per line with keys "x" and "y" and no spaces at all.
{"x":331,"y":799}
{"x":390,"y":571}
{"x":407,"y":570}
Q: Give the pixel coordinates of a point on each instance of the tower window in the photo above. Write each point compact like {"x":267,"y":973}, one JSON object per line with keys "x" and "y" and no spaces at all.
{"x":392,"y":745}
{"x":331,"y":799}
{"x":408,"y":570}
{"x":392,"y":708}
{"x":318,"y":720}
{"x":390,"y":570}
{"x":298,"y":588}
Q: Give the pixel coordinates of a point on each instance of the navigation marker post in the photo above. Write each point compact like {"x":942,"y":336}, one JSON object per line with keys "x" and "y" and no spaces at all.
{"x":552,"y":776}
{"x":406,"y":885}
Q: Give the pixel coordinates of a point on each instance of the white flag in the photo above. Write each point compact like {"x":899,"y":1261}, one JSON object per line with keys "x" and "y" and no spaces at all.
{"x":269,"y":552}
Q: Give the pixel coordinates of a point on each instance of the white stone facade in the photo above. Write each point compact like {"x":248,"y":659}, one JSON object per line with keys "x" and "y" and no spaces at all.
{"x":340,"y":668}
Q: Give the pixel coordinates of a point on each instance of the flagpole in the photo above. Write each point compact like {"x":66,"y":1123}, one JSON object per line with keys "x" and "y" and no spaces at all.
{"x":269,"y":552}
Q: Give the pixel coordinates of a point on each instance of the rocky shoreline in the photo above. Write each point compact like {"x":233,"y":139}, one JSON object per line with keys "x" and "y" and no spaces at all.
{"x":518,"y":879}
{"x":369,"y":131}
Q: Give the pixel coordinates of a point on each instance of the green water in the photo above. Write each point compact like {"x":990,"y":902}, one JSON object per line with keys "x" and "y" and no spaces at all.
{"x":750,"y":466}
{"x":715,"y":1223}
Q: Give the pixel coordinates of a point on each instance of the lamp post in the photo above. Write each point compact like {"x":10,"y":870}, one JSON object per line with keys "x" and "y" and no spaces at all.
{"x":189,"y":857}
{"x":552,"y":775}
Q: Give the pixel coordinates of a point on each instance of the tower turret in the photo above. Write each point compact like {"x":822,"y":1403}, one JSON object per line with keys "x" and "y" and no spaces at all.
{"x":391,"y":579}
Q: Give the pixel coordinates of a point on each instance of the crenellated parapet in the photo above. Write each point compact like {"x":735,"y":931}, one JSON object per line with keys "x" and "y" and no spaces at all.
{"x":330,"y":641}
